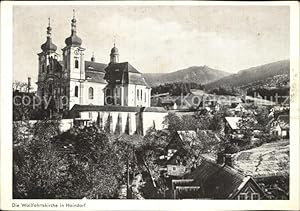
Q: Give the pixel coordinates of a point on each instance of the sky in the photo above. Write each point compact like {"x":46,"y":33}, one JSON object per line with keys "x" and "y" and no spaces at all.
{"x":157,"y":39}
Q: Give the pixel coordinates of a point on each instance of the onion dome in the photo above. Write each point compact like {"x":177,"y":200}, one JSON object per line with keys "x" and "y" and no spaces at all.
{"x":48,"y":45}
{"x":114,"y":50}
{"x":73,"y":40}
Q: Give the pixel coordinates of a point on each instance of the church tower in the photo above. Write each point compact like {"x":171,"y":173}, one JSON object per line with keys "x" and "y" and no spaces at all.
{"x":47,"y":67}
{"x":73,"y":60}
{"x":114,"y":55}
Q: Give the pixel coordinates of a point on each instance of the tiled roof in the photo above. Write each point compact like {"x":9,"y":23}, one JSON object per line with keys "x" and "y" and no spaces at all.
{"x":124,"y":73}
{"x":95,"y":76}
{"x":218,"y":182}
{"x":94,"y":66}
{"x":94,"y":71}
{"x":232,"y":121}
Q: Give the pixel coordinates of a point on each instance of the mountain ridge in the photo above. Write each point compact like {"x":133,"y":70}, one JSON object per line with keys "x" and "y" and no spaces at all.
{"x":252,"y":75}
{"x":194,"y":74}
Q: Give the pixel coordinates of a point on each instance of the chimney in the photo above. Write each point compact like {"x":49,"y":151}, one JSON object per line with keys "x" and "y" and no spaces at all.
{"x":220,"y":158}
{"x":228,"y":160}
{"x":29,"y":84}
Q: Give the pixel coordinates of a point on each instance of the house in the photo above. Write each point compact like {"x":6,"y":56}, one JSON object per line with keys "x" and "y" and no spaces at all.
{"x":218,"y":180}
{"x":233,"y":128}
{"x":184,"y":189}
{"x":281,"y":126}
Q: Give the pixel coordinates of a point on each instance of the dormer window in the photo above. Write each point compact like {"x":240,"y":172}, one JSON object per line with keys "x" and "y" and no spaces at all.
{"x":90,"y":67}
{"x":117,"y":70}
{"x":88,"y":78}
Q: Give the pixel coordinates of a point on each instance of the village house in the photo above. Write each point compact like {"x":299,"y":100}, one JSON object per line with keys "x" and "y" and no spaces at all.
{"x":233,"y":128}
{"x":219,"y":180}
{"x":280,"y":126}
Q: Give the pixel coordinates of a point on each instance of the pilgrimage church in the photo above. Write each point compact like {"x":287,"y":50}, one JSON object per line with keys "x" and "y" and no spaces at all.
{"x":115,"y":95}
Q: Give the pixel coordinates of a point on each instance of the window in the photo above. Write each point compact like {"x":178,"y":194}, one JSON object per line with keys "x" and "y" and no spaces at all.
{"x":43,"y":68}
{"x":255,"y":196}
{"x":138,"y":94}
{"x":145,"y":97}
{"x":141,"y":94}
{"x":76,"y":91}
{"x":76,"y":63}
{"x":242,"y":196}
{"x":91,"y":93}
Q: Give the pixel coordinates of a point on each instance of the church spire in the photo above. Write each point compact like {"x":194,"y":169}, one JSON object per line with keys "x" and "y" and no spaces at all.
{"x":73,"y":40}
{"x":49,"y":29}
{"x":73,"y":24}
{"x":48,"y":45}
{"x":114,"y":54}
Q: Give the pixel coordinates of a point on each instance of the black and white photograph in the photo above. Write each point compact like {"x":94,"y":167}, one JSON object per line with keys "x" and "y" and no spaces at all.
{"x":163,"y":102}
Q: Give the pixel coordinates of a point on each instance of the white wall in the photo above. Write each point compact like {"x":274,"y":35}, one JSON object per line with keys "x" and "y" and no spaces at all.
{"x":141,"y":101}
{"x":93,"y":115}
{"x":149,"y":117}
{"x":98,"y":98}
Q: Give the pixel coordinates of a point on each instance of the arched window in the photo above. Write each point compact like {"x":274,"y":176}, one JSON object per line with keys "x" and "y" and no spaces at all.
{"x":91,"y":93}
{"x":138,"y":94}
{"x":76,"y":63}
{"x":141,"y":94}
{"x":43,"y":68}
{"x":76,"y":91}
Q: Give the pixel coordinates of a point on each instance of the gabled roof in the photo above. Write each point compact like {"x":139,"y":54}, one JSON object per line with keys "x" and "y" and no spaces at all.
{"x":94,"y":66}
{"x":233,"y":122}
{"x":95,"y":76}
{"x":187,"y":136}
{"x":124,"y":73}
{"x":219,"y":181}
{"x":284,"y":121}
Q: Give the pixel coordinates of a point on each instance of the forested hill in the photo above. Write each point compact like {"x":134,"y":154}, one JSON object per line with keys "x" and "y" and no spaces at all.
{"x":195,"y":74}
{"x":271,"y":75}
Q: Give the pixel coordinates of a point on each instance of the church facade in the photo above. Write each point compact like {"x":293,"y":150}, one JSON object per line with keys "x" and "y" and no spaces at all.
{"x":93,"y":90}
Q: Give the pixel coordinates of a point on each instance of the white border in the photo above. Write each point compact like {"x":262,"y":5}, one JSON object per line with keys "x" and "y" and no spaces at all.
{"x":6,"y":122}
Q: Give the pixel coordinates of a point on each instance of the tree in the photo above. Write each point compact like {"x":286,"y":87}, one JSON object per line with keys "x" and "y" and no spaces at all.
{"x":78,"y":163}
{"x":173,"y":122}
{"x":125,"y":147}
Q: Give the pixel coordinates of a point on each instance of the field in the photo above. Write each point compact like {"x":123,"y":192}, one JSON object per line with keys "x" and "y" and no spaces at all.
{"x":266,"y":160}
